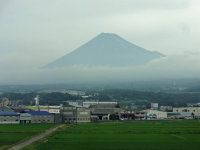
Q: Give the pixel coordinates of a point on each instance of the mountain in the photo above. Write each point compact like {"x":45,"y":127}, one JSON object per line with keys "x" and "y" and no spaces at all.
{"x":107,"y":49}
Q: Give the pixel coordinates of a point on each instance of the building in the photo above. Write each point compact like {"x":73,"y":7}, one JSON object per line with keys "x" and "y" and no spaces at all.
{"x":73,"y":92}
{"x":127,"y":114}
{"x":180,"y":115}
{"x":57,"y":118}
{"x":25,"y":118}
{"x":69,"y":114}
{"x":41,"y":116}
{"x":166,"y":108}
{"x":72,"y":114}
{"x":150,"y":116}
{"x":154,"y":106}
{"x":87,"y":104}
{"x":83,"y":115}
{"x":9,"y":117}
{"x":155,"y":114}
{"x":105,"y":111}
{"x":194,"y":110}
{"x":50,"y":109}
{"x":140,"y":115}
{"x":75,"y":103}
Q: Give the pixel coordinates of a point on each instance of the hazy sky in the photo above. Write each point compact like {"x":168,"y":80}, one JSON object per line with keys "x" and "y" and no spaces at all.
{"x":36,"y":32}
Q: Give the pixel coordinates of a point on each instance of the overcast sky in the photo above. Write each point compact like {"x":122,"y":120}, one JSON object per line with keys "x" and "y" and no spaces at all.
{"x":36,"y":32}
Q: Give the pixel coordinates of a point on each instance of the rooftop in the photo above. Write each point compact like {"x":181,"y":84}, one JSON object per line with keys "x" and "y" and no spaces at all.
{"x":38,"y":112}
{"x":8,"y":113}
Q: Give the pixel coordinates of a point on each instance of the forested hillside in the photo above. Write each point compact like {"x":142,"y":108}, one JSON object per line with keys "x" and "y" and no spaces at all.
{"x":120,"y":95}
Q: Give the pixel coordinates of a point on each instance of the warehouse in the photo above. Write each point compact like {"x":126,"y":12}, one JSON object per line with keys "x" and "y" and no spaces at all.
{"x":41,"y":116}
{"x":9,"y":117}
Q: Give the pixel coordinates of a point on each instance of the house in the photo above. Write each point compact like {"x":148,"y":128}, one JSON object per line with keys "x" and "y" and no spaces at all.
{"x":41,"y":116}
{"x":9,"y":117}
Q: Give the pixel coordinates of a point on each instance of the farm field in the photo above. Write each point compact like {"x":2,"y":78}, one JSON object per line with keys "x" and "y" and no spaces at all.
{"x":11,"y":134}
{"x":134,"y":135}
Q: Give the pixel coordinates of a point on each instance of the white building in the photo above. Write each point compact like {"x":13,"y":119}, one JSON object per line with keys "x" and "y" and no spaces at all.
{"x":159,"y":114}
{"x":75,"y":103}
{"x":180,"y":115}
{"x":166,"y":108}
{"x":87,"y":104}
{"x":50,"y":109}
{"x":194,"y":110}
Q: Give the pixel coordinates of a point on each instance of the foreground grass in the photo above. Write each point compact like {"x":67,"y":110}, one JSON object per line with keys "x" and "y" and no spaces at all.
{"x":11,"y":134}
{"x":135,"y":135}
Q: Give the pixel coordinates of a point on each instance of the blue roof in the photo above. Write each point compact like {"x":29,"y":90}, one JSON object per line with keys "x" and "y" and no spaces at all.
{"x":8,"y":113}
{"x":38,"y":112}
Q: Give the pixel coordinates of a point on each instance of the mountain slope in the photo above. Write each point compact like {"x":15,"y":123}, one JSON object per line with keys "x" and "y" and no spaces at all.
{"x":107,"y":49}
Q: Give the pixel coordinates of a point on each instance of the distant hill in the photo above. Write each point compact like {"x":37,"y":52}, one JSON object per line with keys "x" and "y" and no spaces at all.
{"x":107,"y":49}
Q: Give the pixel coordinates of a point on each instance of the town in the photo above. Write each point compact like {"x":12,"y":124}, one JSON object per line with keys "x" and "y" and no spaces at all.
{"x":90,"y":111}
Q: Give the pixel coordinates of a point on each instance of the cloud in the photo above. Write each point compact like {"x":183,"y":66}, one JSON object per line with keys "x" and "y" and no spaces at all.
{"x":34,"y":33}
{"x":180,"y":66}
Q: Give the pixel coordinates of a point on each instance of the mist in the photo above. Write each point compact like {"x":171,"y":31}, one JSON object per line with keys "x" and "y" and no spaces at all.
{"x":170,"y":67}
{"x":35,"y":33}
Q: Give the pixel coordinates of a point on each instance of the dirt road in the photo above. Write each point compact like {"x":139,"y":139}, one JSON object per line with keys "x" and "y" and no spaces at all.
{"x":35,"y":138}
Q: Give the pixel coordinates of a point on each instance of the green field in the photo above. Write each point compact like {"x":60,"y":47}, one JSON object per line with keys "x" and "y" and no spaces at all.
{"x":11,"y":134}
{"x":135,"y":135}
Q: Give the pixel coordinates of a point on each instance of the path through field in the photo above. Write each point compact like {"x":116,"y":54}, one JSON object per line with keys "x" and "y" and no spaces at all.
{"x":35,"y":138}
